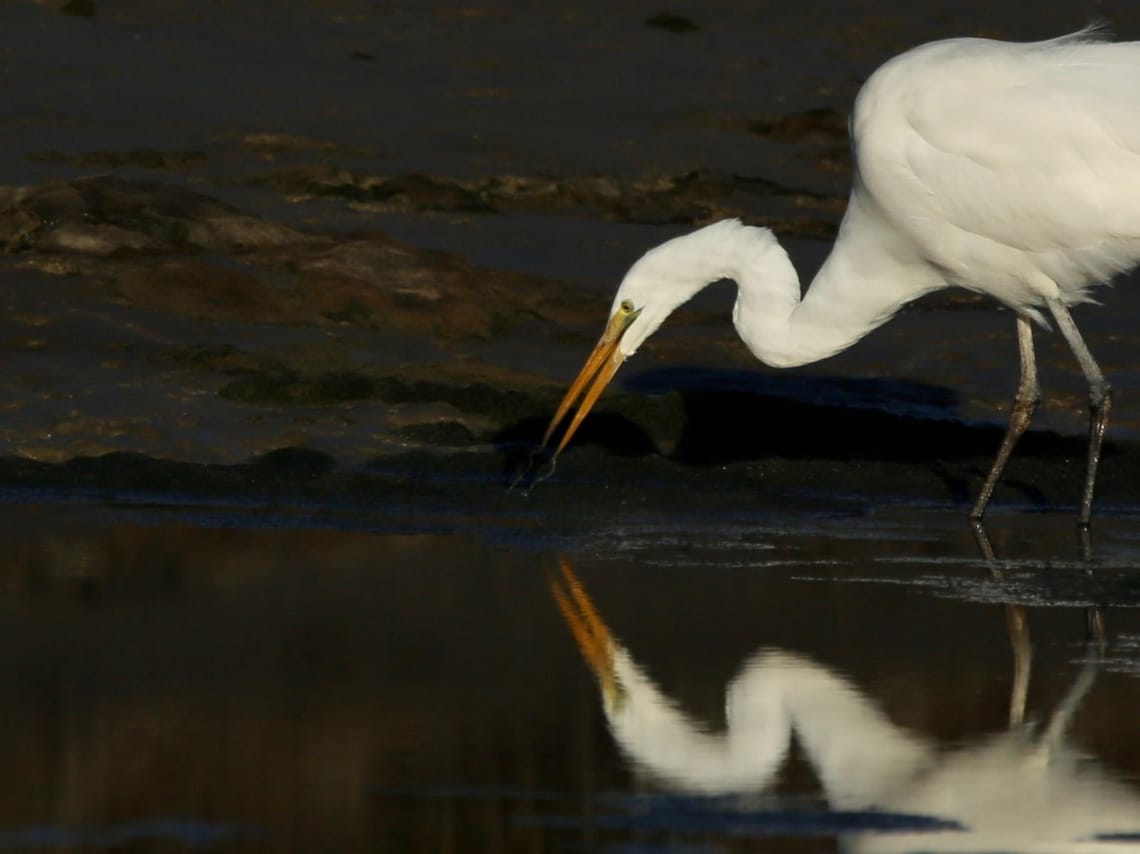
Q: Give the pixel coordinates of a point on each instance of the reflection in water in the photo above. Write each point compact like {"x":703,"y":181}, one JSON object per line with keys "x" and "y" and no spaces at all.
{"x":189,"y":834}
{"x":255,"y":682}
{"x":1018,"y":790}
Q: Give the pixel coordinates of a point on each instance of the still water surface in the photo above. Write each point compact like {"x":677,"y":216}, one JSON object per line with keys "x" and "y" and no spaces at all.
{"x":263,"y":681}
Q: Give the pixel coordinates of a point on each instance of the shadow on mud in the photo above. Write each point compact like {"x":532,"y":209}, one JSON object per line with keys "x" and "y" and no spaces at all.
{"x":671,"y":432}
{"x":867,"y":435}
{"x":699,"y":416}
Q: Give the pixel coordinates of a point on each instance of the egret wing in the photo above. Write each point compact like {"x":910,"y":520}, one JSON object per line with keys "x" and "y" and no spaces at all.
{"x":978,"y":147}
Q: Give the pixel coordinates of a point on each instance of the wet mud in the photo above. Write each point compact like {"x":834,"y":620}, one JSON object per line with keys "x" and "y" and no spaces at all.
{"x":340,"y":365}
{"x":218,"y":297}
{"x":117,"y":245}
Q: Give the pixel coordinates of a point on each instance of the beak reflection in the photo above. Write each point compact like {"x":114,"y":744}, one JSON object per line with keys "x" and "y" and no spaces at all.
{"x":600,"y":368}
{"x":593,"y":636}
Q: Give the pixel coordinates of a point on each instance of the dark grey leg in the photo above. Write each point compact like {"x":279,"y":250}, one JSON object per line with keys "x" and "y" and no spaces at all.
{"x":1024,"y":405}
{"x":1100,"y":402}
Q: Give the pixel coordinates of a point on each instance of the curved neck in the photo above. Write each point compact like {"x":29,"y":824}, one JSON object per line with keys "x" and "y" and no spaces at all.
{"x":866,"y":279}
{"x":661,"y":739}
{"x":858,"y":754}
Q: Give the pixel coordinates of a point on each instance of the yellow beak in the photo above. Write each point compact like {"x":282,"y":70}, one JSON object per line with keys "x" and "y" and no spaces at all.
{"x":600,"y":368}
{"x":593,"y":637}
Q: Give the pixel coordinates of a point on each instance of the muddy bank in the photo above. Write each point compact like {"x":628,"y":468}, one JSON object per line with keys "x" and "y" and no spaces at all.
{"x":695,"y":198}
{"x":294,"y":258}
{"x":148,"y":318}
{"x":157,"y":245}
{"x":256,"y":335}
{"x":160,"y":340}
{"x":618,"y":475}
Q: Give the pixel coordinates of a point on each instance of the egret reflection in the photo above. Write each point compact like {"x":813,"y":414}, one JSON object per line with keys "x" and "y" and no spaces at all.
{"x":1024,"y":789}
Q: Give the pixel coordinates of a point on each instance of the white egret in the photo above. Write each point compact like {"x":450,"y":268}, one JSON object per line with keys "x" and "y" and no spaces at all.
{"x":1009,"y":169}
{"x":1013,"y":791}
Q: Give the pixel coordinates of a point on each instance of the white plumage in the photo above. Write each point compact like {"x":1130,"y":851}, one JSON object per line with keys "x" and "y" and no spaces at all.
{"x":1009,"y":169}
{"x":1018,"y":790}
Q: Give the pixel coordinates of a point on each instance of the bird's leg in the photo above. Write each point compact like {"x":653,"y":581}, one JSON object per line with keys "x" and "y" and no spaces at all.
{"x":1024,"y":405}
{"x":1100,"y":402}
{"x":1063,"y":716}
{"x":1017,"y":621}
{"x":1095,"y":630}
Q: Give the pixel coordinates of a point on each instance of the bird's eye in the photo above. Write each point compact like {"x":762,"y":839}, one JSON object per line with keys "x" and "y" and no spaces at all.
{"x":626,"y":306}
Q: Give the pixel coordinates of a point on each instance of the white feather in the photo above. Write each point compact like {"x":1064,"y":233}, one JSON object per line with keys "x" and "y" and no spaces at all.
{"x":1009,"y":169}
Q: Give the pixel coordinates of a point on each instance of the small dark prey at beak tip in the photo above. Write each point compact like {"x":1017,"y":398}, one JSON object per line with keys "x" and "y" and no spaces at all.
{"x":599,"y":369}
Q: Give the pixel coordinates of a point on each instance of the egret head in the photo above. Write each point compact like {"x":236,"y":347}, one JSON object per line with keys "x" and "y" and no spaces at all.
{"x":649,"y":293}
{"x":601,"y":366}
{"x":663,"y":279}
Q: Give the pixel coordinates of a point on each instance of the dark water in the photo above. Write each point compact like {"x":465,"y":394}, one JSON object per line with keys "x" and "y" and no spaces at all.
{"x":251,"y":679}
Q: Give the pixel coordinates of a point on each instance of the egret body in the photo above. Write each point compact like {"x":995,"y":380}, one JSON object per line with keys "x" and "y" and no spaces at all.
{"x":1009,"y":169}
